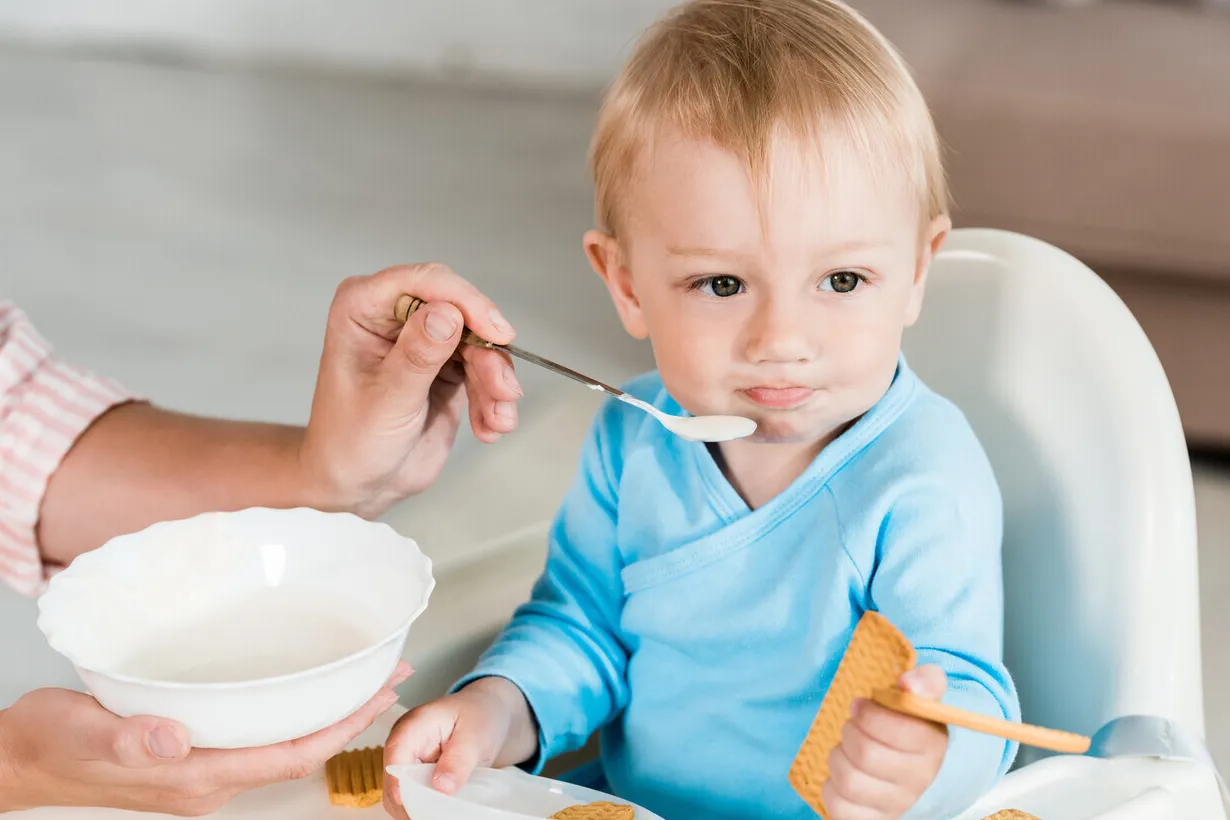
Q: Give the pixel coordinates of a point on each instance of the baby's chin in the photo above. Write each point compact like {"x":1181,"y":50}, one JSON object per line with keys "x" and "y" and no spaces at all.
{"x":783,"y":429}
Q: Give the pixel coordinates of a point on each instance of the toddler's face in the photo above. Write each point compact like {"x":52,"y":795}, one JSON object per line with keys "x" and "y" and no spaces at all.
{"x":793,"y":318}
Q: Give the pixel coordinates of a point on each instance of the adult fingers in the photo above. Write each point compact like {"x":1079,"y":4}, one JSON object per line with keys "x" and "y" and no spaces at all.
{"x":370,"y":300}
{"x":492,"y":390}
{"x":293,"y":759}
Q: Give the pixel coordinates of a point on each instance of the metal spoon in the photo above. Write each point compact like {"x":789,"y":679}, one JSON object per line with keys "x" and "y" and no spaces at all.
{"x":692,"y":428}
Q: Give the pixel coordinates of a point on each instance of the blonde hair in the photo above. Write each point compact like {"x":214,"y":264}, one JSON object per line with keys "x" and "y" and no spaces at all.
{"x":733,"y":72}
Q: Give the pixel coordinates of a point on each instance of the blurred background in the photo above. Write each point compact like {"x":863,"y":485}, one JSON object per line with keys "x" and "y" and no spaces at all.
{"x":183,"y":185}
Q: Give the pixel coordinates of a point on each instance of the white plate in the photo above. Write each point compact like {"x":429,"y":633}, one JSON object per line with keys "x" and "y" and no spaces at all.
{"x":495,"y":794}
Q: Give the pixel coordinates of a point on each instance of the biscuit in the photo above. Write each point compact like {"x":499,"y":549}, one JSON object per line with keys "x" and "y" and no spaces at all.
{"x":877,"y":657}
{"x":356,"y":778}
{"x":596,"y":811}
{"x":1010,"y":814}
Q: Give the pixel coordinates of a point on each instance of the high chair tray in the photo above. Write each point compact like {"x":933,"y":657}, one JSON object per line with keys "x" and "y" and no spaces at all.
{"x":306,"y":799}
{"x":1088,"y":788}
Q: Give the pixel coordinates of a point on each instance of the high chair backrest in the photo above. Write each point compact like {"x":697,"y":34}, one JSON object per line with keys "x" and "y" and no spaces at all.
{"x":1071,"y":403}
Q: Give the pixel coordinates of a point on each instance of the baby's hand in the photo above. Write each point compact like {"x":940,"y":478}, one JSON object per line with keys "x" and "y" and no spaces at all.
{"x":488,"y":723}
{"x":886,"y":760}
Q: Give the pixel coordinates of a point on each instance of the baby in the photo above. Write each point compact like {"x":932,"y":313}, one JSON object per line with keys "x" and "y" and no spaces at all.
{"x":769,"y":196}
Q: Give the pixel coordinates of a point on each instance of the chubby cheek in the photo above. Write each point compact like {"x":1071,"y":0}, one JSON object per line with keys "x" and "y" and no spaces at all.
{"x":692,"y":357}
{"x":862,"y":360}
{"x":690,"y":375}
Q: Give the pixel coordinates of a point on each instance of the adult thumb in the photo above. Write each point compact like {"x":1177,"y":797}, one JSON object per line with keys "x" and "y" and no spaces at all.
{"x":135,"y":742}
{"x":425,"y":344}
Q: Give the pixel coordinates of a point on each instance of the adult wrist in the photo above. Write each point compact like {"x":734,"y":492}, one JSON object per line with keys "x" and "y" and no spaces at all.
{"x":320,"y":488}
{"x":315,"y":485}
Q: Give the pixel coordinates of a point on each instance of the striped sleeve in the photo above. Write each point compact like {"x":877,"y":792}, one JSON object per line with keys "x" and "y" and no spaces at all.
{"x":45,"y":405}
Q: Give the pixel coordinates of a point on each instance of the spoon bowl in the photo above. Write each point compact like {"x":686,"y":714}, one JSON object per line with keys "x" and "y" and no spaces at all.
{"x":697,"y":428}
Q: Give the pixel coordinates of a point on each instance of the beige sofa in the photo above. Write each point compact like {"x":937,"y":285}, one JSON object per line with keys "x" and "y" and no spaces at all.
{"x":1104,"y":129}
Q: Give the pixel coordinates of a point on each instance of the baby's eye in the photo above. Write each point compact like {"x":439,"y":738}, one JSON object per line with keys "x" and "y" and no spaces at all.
{"x":722,"y":286}
{"x":843,"y":281}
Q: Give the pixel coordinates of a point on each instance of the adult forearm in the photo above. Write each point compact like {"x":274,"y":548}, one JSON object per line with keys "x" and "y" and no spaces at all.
{"x":12,"y":791}
{"x":139,"y":464}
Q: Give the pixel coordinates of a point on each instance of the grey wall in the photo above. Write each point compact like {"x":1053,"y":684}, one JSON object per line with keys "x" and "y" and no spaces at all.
{"x":558,"y":42}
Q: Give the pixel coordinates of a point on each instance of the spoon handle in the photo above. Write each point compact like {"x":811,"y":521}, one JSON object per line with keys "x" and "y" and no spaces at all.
{"x":555,"y":367}
{"x":407,"y":305}
{"x":1036,"y":736}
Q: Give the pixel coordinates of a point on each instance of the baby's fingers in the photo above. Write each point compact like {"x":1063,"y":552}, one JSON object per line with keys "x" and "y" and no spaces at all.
{"x":895,"y":731}
{"x":392,"y":799}
{"x":909,"y":771}
{"x":843,"y":808}
{"x":464,"y":752}
{"x":872,"y":756}
{"x":415,"y":738}
{"x":928,"y":682}
{"x":859,"y":788}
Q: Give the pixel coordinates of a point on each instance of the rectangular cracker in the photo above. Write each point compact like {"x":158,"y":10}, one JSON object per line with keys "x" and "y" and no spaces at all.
{"x":356,"y":778}
{"x":877,"y":656}
{"x":596,"y":811}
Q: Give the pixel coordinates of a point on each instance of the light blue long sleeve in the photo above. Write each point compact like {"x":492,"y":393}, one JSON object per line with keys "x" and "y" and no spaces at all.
{"x":700,"y":636}
{"x":563,"y":647}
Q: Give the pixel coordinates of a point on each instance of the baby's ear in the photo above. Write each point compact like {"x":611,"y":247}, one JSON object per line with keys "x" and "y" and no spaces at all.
{"x":933,"y":240}
{"x":608,"y":261}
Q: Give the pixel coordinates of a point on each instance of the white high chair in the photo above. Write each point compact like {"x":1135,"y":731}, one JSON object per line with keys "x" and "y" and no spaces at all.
{"x":1100,"y":563}
{"x":1071,"y":402}
{"x":1068,"y":397}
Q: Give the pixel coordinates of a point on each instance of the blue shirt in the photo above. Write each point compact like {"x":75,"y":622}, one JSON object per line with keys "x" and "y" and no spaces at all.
{"x":701,"y":636}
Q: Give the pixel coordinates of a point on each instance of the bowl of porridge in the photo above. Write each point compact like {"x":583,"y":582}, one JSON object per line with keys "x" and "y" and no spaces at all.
{"x":249,"y":628}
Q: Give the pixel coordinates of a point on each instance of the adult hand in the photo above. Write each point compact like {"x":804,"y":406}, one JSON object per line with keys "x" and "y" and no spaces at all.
{"x":389,"y":398}
{"x":61,"y":748}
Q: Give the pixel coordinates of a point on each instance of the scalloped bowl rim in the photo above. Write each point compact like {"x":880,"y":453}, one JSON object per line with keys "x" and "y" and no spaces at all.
{"x":96,"y":555}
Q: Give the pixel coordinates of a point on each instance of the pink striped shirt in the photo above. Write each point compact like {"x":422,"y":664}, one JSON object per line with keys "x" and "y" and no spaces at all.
{"x":45,"y":405}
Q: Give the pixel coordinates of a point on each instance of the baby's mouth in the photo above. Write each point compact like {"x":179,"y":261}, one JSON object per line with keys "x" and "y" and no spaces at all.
{"x":779,"y":398}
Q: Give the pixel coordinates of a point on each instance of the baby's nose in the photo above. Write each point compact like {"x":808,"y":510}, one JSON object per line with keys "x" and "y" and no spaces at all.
{"x":781,"y":334}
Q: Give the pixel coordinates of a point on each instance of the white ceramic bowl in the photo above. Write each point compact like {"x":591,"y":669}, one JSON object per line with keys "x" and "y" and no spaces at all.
{"x":494,"y":794}
{"x":249,"y":628}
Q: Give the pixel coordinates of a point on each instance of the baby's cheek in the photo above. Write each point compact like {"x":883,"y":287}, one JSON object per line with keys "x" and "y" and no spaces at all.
{"x":866,"y":374}
{"x":690,"y":377}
